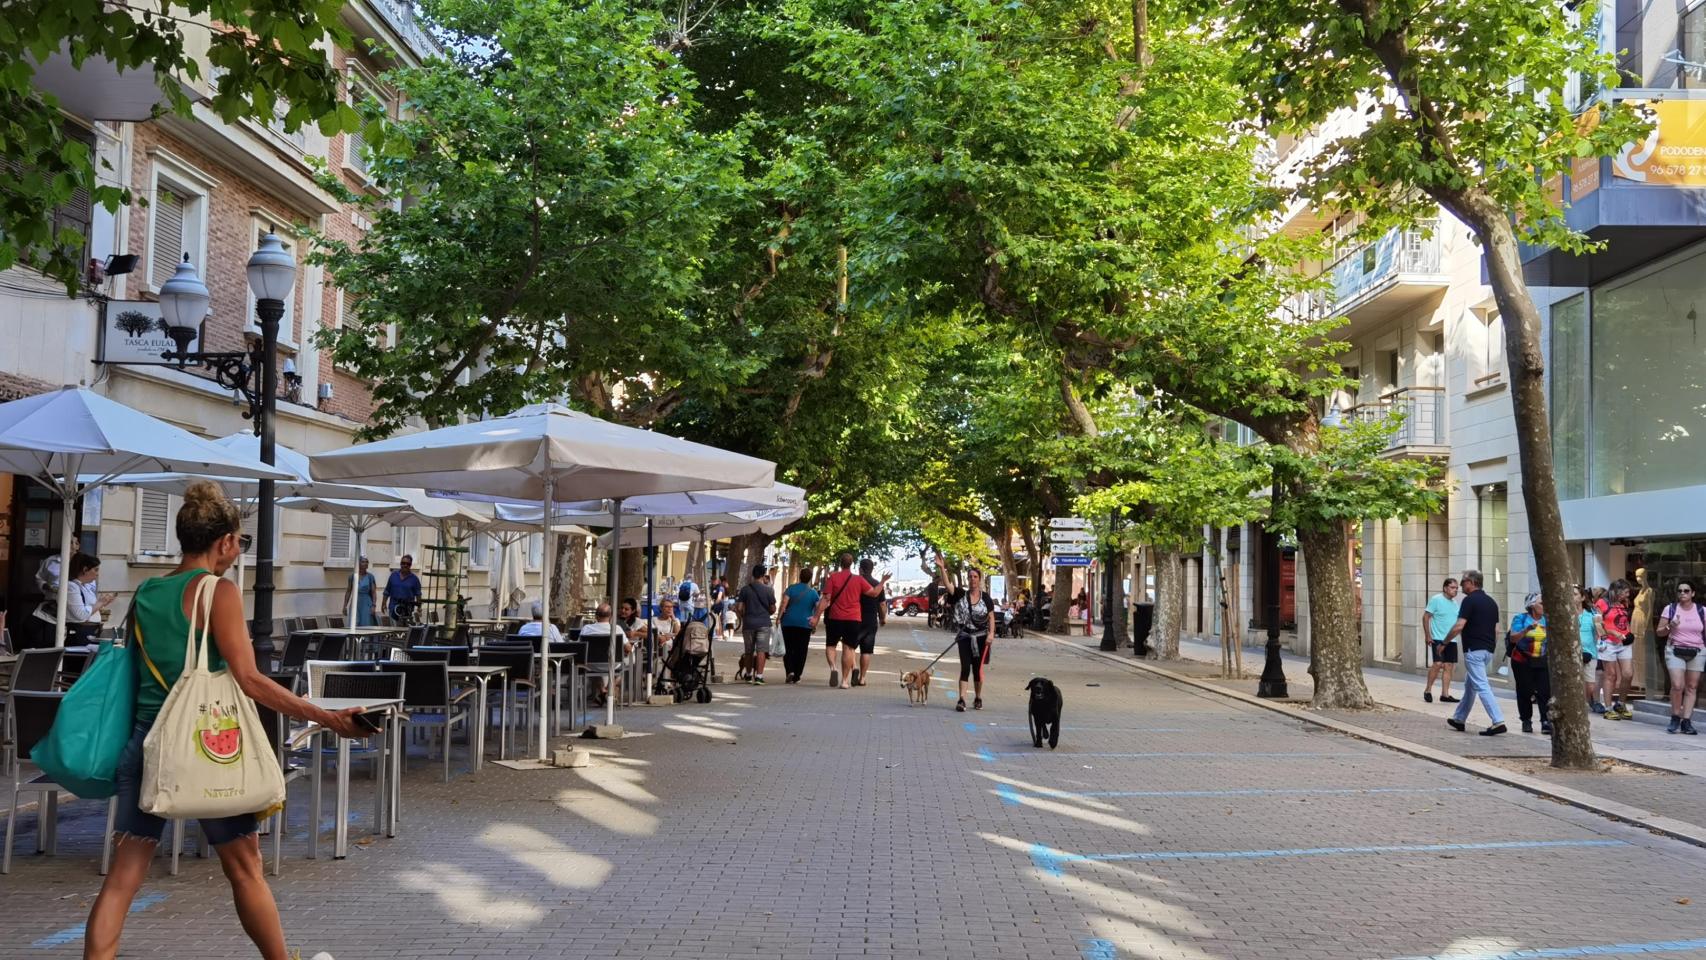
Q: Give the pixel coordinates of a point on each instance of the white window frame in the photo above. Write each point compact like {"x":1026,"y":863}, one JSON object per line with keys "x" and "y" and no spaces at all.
{"x":196,"y":188}
{"x":360,"y":85}
{"x":1487,"y":363}
{"x":332,"y":559}
{"x":251,"y":526}
{"x":172,"y":551}
{"x":534,"y":552}
{"x":260,"y":220}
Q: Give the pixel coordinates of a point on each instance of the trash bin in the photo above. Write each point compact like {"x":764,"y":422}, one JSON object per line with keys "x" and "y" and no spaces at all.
{"x":1143,"y":621}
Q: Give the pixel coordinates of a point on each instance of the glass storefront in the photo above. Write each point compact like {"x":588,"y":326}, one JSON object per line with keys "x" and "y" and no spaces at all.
{"x":1640,"y":422}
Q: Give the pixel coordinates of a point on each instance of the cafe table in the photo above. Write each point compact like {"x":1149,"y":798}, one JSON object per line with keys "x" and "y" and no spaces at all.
{"x":362,"y":635}
{"x":483,"y":676}
{"x":387,"y":788}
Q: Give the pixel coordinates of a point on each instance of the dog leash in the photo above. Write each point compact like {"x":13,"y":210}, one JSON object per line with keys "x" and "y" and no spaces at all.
{"x":939,"y":656}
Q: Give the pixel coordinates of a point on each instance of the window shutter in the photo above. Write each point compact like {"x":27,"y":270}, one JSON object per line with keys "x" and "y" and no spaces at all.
{"x":479,"y":550}
{"x":341,"y":541}
{"x":153,"y":522}
{"x":168,"y":250}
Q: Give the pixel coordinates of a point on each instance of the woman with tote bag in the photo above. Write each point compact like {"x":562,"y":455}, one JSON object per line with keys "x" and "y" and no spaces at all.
{"x":182,"y":665}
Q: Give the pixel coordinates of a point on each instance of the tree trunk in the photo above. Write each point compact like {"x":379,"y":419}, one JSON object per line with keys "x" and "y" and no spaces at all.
{"x":1332,"y":614}
{"x":1033,"y":562}
{"x":1169,"y":605}
{"x":633,"y":573}
{"x":1062,"y":599}
{"x":563,"y":603}
{"x":1572,"y":739}
{"x":1009,"y":568}
{"x":575,"y":595}
{"x":696,"y":563}
{"x":738,"y":568}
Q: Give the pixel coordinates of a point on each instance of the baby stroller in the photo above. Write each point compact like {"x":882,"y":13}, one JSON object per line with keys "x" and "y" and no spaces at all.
{"x":688,"y":669}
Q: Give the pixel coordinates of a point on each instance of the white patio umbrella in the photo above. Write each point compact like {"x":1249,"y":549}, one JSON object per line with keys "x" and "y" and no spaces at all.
{"x":72,"y":440}
{"x":246,"y":491}
{"x":507,"y":529}
{"x":546,"y":454}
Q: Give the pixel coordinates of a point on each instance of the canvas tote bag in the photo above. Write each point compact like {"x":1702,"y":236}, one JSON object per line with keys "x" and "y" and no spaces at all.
{"x":207,"y":755}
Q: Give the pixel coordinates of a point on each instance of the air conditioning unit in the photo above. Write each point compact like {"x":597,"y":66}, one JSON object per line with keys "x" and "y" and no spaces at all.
{"x":325,"y":392}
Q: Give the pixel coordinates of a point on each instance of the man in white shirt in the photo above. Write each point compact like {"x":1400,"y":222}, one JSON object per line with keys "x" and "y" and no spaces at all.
{"x":533,"y":629}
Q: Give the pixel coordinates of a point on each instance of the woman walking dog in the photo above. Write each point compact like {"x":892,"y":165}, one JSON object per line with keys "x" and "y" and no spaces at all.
{"x":977,"y":632}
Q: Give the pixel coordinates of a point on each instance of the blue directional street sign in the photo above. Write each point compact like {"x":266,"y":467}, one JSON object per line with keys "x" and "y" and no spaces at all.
{"x":1071,"y":561}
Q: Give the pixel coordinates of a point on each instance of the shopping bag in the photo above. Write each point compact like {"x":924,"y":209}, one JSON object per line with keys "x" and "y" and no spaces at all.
{"x":207,"y":755}
{"x":89,"y":734}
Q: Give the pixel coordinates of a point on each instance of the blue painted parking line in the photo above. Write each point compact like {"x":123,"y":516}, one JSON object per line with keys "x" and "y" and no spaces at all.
{"x":1012,"y":795}
{"x":1048,"y":859}
{"x":1098,"y":949}
{"x":74,"y":934}
{"x":990,"y":756}
{"x":1562,"y":953}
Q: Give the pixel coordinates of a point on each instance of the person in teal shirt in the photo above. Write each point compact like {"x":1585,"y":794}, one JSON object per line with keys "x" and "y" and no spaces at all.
{"x":799,"y":616}
{"x":1587,"y":627}
{"x":1437,"y":620}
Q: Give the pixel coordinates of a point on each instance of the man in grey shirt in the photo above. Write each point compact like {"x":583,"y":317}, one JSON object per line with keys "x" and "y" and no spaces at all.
{"x":756,"y":606}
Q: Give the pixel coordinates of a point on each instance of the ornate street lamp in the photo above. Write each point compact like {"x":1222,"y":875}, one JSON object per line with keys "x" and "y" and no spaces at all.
{"x":252,"y":373}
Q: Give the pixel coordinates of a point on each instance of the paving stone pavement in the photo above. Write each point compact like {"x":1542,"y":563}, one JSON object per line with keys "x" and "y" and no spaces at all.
{"x":805,"y":822}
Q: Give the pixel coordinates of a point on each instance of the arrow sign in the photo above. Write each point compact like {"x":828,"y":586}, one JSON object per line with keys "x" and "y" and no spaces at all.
{"x":1072,"y":561}
{"x":1060,"y":539}
{"x":1069,"y":523}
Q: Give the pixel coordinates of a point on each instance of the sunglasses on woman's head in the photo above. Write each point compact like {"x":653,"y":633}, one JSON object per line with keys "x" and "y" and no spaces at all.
{"x":245,"y":541}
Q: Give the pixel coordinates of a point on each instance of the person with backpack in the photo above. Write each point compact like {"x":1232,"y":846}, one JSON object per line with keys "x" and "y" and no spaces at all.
{"x":210,"y":534}
{"x":1683,"y":628}
{"x":799,"y":617}
{"x":1525,"y":644}
{"x":1587,"y":631}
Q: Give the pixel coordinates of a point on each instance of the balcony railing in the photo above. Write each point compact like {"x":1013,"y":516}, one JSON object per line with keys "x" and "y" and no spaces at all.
{"x":1423,"y":409}
{"x":400,"y":14}
{"x":1358,"y":273}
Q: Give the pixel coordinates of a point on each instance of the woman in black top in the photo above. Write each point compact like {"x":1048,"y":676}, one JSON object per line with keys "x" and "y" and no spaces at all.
{"x":974,"y":614}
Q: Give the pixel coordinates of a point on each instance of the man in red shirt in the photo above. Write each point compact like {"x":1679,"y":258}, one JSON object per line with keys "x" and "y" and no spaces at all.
{"x":840,"y":599}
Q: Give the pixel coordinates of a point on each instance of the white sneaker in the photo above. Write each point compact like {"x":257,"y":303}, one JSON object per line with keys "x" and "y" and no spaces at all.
{"x":322,"y":955}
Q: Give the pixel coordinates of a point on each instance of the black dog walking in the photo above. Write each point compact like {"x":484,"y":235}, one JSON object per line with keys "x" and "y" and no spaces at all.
{"x":1046,"y":702}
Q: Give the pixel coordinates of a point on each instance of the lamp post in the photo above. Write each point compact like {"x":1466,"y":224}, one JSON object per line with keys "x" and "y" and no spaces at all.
{"x":1272,"y":685}
{"x":252,"y":373}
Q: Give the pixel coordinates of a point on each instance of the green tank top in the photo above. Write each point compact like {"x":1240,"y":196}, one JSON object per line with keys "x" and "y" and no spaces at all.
{"x":161,"y":622}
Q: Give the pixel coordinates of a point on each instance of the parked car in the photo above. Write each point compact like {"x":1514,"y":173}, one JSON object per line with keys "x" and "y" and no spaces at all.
{"x":913,"y":604}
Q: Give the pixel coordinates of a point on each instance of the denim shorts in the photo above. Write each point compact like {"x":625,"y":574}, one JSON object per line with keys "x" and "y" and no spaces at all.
{"x":131,"y":821}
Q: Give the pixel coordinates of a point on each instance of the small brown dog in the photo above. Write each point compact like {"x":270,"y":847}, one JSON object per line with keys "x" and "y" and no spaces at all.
{"x":917,"y":684}
{"x":748,"y":667}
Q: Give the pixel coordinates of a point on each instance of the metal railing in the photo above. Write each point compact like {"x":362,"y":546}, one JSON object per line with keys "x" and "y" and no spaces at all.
{"x":400,"y":14}
{"x":1412,"y":250}
{"x":1423,"y":409}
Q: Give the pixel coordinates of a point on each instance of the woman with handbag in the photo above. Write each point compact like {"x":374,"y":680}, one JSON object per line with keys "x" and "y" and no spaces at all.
{"x":976,"y":616}
{"x":1683,"y":628}
{"x":168,"y":612}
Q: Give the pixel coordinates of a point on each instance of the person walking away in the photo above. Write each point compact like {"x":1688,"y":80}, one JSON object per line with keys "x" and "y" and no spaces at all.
{"x":1526,"y":646}
{"x":1437,"y":619}
{"x":976,"y":618}
{"x":838,"y":605}
{"x":756,"y":607}
{"x":366,"y":587}
{"x":1478,"y":625}
{"x":1683,"y":627}
{"x":1617,"y":653}
{"x":209,"y":530}
{"x":84,"y":603}
{"x":873,"y":613}
{"x":719,"y":600}
{"x":798,"y":614}
{"x":1587,"y":631}
{"x":402,"y":590}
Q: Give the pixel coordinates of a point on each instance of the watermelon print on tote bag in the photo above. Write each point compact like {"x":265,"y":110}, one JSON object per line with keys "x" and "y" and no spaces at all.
{"x":207,"y":755}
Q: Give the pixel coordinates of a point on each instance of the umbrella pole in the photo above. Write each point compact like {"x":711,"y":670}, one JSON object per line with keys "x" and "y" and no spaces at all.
{"x":65,"y":531}
{"x":615,"y":602}
{"x":652,"y":599}
{"x":545,"y":684}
